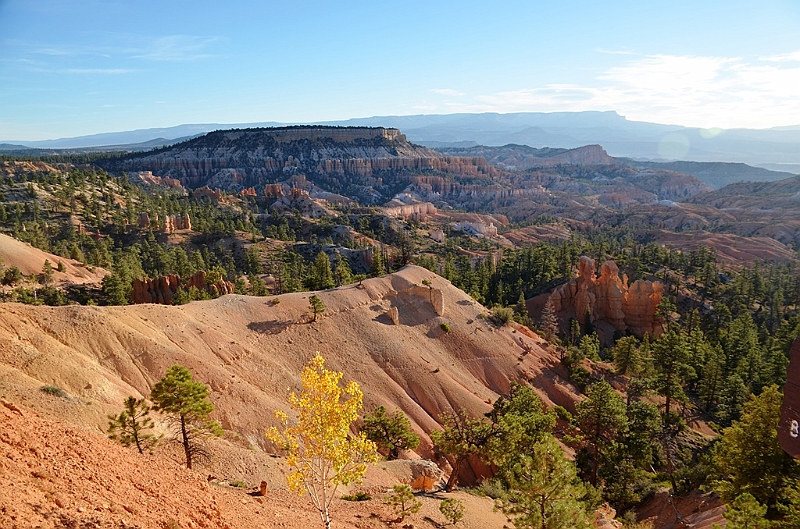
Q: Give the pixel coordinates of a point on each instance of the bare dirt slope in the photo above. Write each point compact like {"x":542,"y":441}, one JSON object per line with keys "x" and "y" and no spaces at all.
{"x":58,"y":476}
{"x":30,"y":261}
{"x":251,"y":350}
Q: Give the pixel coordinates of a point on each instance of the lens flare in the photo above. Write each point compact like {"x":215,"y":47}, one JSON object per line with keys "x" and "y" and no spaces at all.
{"x":673,"y":146}
{"x":713,"y":132}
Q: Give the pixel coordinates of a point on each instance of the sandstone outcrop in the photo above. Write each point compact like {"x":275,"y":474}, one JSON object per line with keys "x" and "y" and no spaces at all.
{"x":607,"y":298}
{"x":434,"y":295}
{"x":12,"y":168}
{"x":214,"y":195}
{"x":148,"y":178}
{"x":162,"y":289}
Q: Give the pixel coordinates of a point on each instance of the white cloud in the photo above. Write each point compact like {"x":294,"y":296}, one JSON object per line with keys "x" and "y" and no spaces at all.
{"x":99,"y":71}
{"x":614,"y":52}
{"x":447,"y":92}
{"x":177,"y":48}
{"x":793,"y":56}
{"x":697,"y":91}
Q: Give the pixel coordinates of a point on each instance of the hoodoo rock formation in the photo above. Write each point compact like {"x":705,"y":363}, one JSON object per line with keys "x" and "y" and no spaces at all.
{"x":162,"y":289}
{"x":417,"y":210}
{"x":180,"y":221}
{"x":611,"y":304}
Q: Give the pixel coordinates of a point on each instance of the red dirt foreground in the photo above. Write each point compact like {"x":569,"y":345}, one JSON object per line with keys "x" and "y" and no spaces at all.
{"x":57,"y":476}
{"x":54,"y":475}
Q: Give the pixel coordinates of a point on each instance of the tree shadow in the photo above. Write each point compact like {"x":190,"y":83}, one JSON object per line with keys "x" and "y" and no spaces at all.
{"x":269,"y":327}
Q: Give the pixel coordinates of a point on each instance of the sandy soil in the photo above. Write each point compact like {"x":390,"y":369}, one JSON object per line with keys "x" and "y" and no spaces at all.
{"x":55,"y":475}
{"x":30,"y":261}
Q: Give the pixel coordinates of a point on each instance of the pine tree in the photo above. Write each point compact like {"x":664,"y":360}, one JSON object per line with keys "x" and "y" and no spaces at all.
{"x":602,"y":419}
{"x":47,"y":272}
{"x":545,"y":492}
{"x":746,"y":513}
{"x":403,"y":501}
{"x":549,"y":321}
{"x":452,"y":509}
{"x":130,"y":425}
{"x":391,"y":433}
{"x":183,"y":400}
{"x":321,"y":277}
{"x":749,"y":457}
{"x":671,"y":357}
{"x":460,"y":438}
{"x":626,"y":356}
{"x":342,"y":275}
{"x":315,"y":305}
{"x":378,"y":267}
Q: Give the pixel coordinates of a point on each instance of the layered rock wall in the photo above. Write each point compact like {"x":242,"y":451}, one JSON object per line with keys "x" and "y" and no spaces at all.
{"x":237,"y":159}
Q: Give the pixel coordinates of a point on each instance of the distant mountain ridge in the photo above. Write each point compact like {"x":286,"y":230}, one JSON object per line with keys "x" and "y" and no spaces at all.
{"x":619,"y":136}
{"x":715,"y":174}
{"x":521,"y":157}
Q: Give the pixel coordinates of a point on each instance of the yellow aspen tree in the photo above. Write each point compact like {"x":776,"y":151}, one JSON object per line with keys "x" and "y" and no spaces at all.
{"x":323,"y":453}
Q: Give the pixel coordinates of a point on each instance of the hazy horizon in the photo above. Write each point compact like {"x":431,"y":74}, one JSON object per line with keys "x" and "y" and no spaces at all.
{"x":71,"y":69}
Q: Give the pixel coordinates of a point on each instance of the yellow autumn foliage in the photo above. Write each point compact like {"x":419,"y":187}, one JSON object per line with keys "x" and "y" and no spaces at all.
{"x":322,"y":452}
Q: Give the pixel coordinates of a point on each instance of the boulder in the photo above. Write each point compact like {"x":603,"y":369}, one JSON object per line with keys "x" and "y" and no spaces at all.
{"x":419,"y":474}
{"x":394,"y":315}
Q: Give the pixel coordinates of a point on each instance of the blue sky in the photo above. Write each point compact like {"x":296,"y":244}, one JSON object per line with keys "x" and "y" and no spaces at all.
{"x":76,"y":67}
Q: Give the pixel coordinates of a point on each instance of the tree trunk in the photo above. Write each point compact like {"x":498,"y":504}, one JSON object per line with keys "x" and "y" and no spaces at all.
{"x":185,"y":439}
{"x":453,"y":479}
{"x":595,"y":465}
{"x":542,"y":513}
{"x":138,"y":443}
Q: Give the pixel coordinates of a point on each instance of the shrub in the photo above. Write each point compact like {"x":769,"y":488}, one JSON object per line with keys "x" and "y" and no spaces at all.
{"x":452,"y":509}
{"x":502,"y":315}
{"x":12,"y":276}
{"x":492,"y":488}
{"x":445,"y":327}
{"x":580,"y":376}
{"x":403,"y":501}
{"x":357,"y":496}
{"x":54,"y":391}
